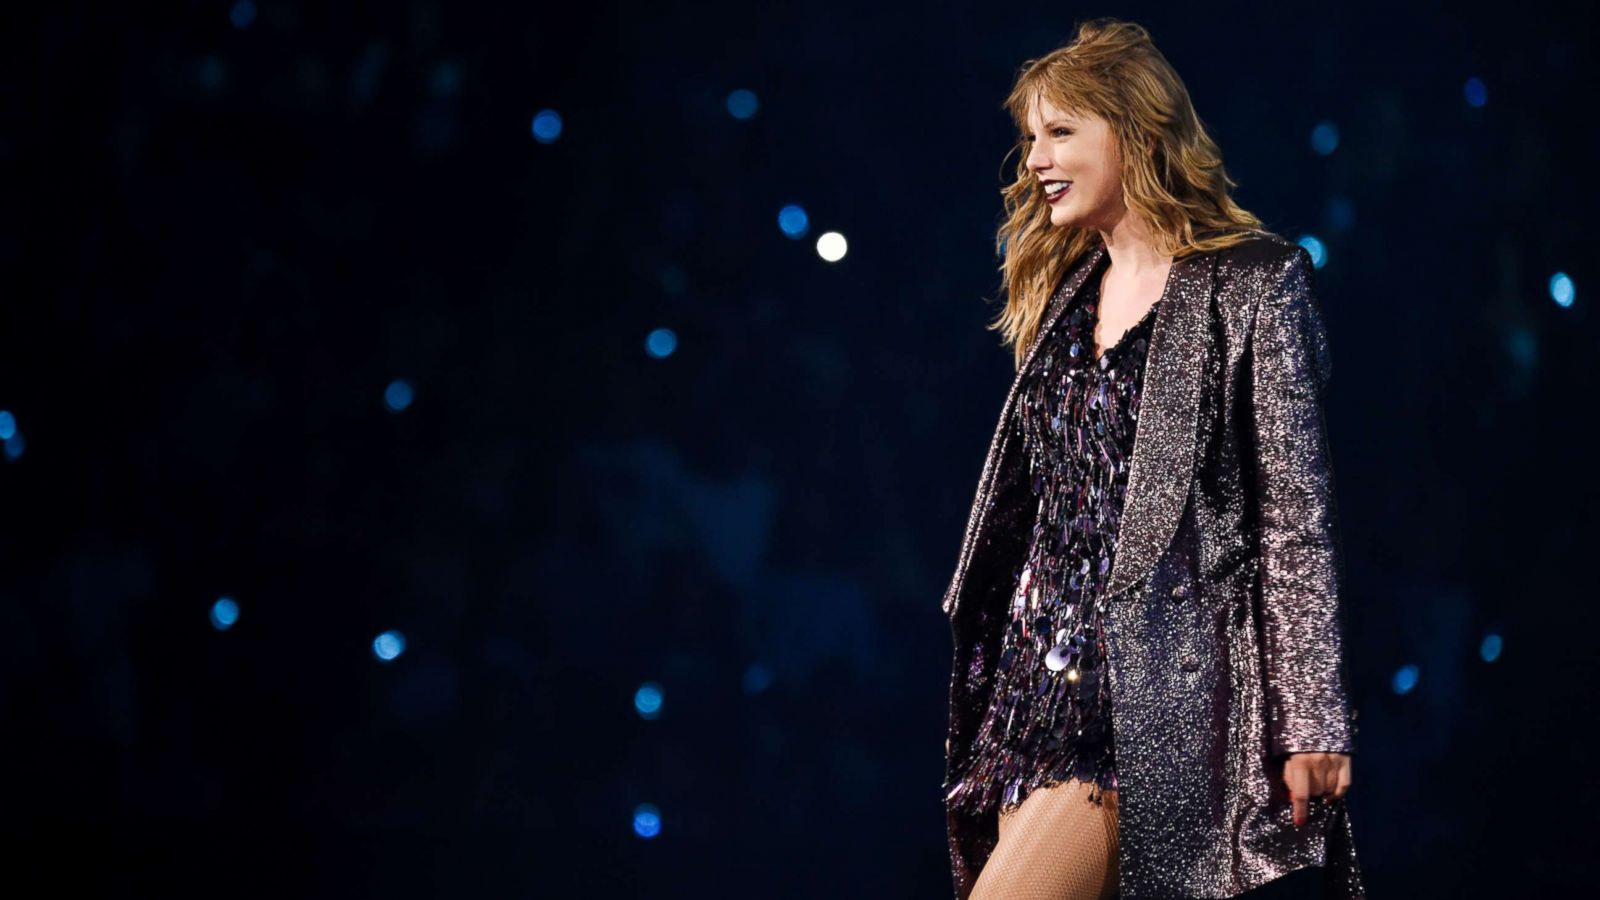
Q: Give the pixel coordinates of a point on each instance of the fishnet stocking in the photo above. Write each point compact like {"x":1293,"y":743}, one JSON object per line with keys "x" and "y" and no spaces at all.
{"x":1058,"y":845}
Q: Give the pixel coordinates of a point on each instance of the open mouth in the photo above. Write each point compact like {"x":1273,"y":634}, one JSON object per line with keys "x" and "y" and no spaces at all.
{"x":1056,"y":191}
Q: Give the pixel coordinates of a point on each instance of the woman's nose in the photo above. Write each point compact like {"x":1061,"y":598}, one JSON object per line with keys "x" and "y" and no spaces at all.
{"x":1038,"y":160}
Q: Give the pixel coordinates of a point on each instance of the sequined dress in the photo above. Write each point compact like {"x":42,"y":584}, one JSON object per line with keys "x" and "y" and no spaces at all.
{"x":1049,"y":713}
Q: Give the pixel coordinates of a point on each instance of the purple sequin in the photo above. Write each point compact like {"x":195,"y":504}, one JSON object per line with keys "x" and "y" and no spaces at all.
{"x":1049,"y":715}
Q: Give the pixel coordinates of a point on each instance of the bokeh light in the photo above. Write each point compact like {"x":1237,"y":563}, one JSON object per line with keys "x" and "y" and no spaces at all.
{"x":1489,"y":649}
{"x":1405,"y":679}
{"x":243,"y":14}
{"x":742,"y":104}
{"x":831,"y":246}
{"x":388,"y":646}
{"x":1325,"y":138}
{"x":224,"y":613}
{"x":1562,"y":291}
{"x":647,"y":700}
{"x":398,"y":395}
{"x":646,"y":820}
{"x":546,"y":126}
{"x":757,"y":678}
{"x":1317,"y":249}
{"x":661,"y":343}
{"x":793,"y":221}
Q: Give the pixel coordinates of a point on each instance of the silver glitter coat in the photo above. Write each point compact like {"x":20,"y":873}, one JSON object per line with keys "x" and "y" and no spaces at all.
{"x":1224,"y":617}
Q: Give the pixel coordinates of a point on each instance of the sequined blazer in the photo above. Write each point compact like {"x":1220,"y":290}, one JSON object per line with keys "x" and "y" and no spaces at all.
{"x":1224,"y":620}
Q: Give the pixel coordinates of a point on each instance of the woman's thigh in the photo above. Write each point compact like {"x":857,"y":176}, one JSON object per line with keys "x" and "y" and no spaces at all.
{"x":1058,"y":845}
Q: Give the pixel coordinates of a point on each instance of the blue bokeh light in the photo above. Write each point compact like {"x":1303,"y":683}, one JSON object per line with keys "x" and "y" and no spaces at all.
{"x":388,"y":646}
{"x":224,"y":613}
{"x":1325,"y":138}
{"x":15,"y":445}
{"x":661,"y":343}
{"x":646,"y":820}
{"x":1562,"y":290}
{"x":546,"y":126}
{"x":8,"y":424}
{"x":398,"y":395}
{"x":757,"y":678}
{"x":1405,"y":679}
{"x":1475,"y":92}
{"x":1490,"y":648}
{"x":445,"y":80}
{"x":1522,"y":346}
{"x":794,"y":221}
{"x":742,"y":104}
{"x":647,"y":700}
{"x":243,"y":14}
{"x":1317,"y":249}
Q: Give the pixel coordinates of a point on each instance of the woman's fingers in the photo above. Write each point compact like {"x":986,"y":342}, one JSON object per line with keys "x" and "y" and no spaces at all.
{"x":1344,"y":778}
{"x":1324,"y":775}
{"x":1309,"y":775}
{"x":1335,"y":778}
{"x":1297,"y":778}
{"x":1312,"y":775}
{"x":1327,"y":778}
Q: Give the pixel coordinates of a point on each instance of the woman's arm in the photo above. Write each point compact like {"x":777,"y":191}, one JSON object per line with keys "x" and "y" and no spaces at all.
{"x":1301,"y":557}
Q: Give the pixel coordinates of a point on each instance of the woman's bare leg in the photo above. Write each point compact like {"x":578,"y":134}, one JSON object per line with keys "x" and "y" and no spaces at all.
{"x":1056,"y":846}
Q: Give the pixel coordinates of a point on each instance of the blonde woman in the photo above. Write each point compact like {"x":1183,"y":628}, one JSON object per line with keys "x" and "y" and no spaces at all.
{"x":1149,"y":694}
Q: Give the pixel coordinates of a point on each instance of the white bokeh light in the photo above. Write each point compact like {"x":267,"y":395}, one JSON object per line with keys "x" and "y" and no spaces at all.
{"x":831,"y":246}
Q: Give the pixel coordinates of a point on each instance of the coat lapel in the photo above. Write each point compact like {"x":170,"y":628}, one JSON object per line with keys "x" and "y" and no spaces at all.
{"x":1169,"y":416}
{"x":978,"y":518}
{"x":1164,"y":444}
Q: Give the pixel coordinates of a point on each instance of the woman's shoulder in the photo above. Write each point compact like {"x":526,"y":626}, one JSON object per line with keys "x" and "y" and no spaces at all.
{"x":1254,"y":265}
{"x":1258,"y":248}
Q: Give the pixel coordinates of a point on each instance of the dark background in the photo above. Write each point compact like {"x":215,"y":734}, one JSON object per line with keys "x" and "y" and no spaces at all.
{"x":228,"y":228}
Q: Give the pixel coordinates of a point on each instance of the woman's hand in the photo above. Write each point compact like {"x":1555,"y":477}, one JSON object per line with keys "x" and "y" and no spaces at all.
{"x":1310,"y":775}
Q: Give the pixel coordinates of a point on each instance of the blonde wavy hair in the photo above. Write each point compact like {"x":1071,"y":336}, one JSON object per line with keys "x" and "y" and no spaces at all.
{"x":1112,"y":69}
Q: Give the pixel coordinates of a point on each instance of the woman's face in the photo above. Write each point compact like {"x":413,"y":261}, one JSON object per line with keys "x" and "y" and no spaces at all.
{"x":1078,"y":149}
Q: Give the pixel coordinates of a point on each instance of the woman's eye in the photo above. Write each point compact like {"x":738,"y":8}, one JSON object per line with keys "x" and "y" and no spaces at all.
{"x":1059,"y":130}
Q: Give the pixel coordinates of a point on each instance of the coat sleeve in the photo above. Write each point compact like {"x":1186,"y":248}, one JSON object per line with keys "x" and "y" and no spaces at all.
{"x":1301,"y":566}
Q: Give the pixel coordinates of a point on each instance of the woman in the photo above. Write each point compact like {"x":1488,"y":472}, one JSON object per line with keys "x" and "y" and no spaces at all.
{"x":1148,"y":693}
